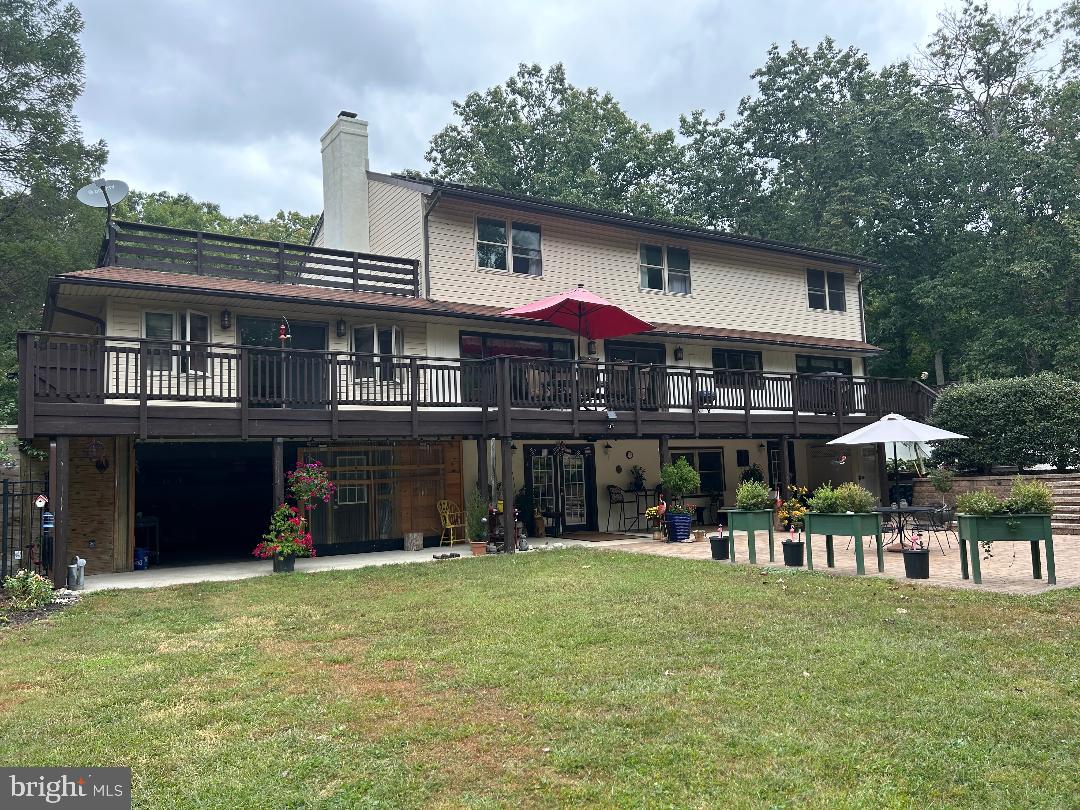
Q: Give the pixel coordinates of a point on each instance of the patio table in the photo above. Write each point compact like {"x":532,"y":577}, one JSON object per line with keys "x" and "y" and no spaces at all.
{"x":903,"y":512}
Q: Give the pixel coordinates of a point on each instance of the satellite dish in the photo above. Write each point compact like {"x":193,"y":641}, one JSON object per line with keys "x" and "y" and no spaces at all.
{"x":102,"y":193}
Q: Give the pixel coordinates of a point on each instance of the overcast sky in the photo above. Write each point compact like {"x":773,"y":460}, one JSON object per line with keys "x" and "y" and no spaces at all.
{"x":226,"y":99}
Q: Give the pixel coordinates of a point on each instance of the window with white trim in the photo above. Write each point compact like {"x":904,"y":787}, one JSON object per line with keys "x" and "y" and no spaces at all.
{"x":826,"y":290}
{"x":520,"y":253}
{"x":665,"y":268}
{"x":380,"y":344}
{"x":165,"y":327}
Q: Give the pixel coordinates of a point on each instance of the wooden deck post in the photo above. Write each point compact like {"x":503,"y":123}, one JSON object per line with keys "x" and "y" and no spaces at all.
{"x":27,"y":385}
{"x":665,"y":451}
{"x":483,"y":477}
{"x":279,"y":472}
{"x":508,"y":494}
{"x":59,"y":475}
{"x":883,"y":475}
{"x":785,"y":468}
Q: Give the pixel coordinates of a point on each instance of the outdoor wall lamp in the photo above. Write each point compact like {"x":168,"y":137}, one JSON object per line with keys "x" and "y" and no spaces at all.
{"x":608,"y":446}
{"x":679,"y":354}
{"x":226,"y":319}
{"x":590,"y":348}
{"x":341,"y":328}
{"x":513,"y":447}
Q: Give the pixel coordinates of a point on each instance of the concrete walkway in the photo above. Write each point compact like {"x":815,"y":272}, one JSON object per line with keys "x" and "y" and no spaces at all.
{"x":226,"y":571}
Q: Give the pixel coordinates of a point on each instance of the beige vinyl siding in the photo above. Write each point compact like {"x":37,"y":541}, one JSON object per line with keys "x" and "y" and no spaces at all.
{"x":395,"y":220}
{"x":733,"y":287}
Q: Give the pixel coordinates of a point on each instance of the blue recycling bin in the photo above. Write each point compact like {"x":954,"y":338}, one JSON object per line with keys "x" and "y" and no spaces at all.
{"x":142,"y":559}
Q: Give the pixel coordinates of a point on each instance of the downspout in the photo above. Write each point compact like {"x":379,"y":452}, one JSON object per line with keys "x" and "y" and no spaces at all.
{"x":52,"y":309}
{"x":428,"y":208}
{"x":862,"y":311}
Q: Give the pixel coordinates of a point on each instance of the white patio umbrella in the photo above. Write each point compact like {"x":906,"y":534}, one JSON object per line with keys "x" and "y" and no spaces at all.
{"x":893,"y":428}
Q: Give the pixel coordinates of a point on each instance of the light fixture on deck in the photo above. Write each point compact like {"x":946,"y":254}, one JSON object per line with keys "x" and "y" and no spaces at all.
{"x":679,"y":354}
{"x":226,"y":320}
{"x":590,"y":348}
{"x":341,"y":328}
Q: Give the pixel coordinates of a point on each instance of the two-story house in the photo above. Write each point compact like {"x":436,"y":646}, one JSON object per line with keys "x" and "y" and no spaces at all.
{"x":176,"y":382}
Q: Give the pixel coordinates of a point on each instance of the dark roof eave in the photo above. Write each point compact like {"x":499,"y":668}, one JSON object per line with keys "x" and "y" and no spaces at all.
{"x":433,"y":310}
{"x":626,"y":221}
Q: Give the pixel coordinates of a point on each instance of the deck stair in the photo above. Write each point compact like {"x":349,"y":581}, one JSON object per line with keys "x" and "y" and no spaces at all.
{"x":1066,"y":489}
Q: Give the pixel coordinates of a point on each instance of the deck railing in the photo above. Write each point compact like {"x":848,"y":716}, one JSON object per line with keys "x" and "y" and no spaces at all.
{"x":154,"y":247}
{"x":58,"y":368}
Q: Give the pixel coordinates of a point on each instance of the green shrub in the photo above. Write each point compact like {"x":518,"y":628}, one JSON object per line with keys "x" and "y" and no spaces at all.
{"x":1030,"y":498}
{"x":942,"y":479}
{"x":680,"y":479}
{"x":855,"y":498}
{"x":1020,"y":420}
{"x":28,"y":590}
{"x":476,"y":514}
{"x":825,"y":499}
{"x":753,"y":496}
{"x":979,"y":502}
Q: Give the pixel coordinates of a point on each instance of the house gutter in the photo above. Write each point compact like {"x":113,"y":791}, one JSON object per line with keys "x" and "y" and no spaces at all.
{"x":52,"y":309}
{"x":429,"y":206}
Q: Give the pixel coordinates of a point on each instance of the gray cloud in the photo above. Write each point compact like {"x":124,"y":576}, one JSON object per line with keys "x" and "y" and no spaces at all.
{"x":227,"y":100}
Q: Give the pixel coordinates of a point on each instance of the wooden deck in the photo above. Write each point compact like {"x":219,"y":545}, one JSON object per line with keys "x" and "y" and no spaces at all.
{"x":83,"y":385}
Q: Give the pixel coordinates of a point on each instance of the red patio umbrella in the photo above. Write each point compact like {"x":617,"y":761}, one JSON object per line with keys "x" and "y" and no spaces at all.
{"x":583,"y":313}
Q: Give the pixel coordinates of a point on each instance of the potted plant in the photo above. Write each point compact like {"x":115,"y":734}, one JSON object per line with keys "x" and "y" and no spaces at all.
{"x":942,"y":478}
{"x":1024,"y":516}
{"x":637,"y":478}
{"x":476,"y":522}
{"x":916,"y":554}
{"x":679,"y":480}
{"x":289,"y":535}
{"x":791,"y":514}
{"x":286,"y":539}
{"x":753,"y":473}
{"x":848,"y":511}
{"x":753,"y":512}
{"x":654,"y":516}
{"x":721,"y":549}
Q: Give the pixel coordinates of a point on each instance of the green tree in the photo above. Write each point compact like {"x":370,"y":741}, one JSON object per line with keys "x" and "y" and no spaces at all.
{"x":538,"y":134}
{"x":183,"y":211}
{"x":43,"y":160}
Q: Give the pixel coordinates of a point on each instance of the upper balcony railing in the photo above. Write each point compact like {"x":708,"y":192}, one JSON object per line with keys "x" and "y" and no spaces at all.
{"x":63,"y":368}
{"x":154,"y":247}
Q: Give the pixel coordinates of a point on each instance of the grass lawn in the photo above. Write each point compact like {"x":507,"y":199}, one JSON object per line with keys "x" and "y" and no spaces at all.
{"x":573,"y":677}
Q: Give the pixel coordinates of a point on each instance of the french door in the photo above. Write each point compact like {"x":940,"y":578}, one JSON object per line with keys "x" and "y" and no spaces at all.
{"x":277,"y":378}
{"x":563,"y":480}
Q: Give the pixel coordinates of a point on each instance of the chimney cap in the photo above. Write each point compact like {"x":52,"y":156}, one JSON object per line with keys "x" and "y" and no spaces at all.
{"x":346,"y":114}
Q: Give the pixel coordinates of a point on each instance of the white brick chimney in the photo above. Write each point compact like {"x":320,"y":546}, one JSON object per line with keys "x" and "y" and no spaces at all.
{"x":345,"y":184}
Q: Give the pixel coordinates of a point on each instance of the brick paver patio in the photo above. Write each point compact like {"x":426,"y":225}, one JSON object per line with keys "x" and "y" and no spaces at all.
{"x":1008,"y":571}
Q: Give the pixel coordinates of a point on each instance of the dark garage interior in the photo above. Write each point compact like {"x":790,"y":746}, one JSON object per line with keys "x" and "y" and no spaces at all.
{"x":210,"y":501}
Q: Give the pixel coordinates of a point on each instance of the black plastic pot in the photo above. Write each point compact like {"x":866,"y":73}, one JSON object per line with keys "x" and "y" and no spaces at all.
{"x":284,"y":565}
{"x":917,"y":563}
{"x":793,"y":553}
{"x":719,"y":546}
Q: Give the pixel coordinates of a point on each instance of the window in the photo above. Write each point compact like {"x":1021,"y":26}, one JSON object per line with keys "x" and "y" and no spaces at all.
{"x":735,"y":360}
{"x":665,"y":268}
{"x":163,"y":328}
{"x":813,"y":364}
{"x":825,"y":290}
{"x":520,"y":254}
{"x":379,"y":345}
{"x":478,"y":345}
{"x":348,"y":477}
{"x":158,"y":326}
{"x":195,"y":327}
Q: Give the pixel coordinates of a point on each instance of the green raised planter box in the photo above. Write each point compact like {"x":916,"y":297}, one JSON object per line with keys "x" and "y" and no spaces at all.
{"x":846,"y":524}
{"x":751,"y":521}
{"x":975,"y":529}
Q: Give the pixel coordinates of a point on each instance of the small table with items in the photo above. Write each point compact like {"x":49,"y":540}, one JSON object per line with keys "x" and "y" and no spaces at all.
{"x":904,"y":515}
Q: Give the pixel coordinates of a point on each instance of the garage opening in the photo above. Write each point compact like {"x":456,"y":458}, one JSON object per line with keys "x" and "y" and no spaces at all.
{"x":202,"y":502}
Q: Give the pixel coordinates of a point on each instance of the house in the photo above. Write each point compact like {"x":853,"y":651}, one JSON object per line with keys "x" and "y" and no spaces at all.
{"x":174,"y":383}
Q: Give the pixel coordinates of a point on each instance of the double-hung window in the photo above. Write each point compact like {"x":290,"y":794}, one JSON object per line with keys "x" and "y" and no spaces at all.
{"x":162,"y":328}
{"x":825,"y":290}
{"x":665,"y":268}
{"x":379,"y":345}
{"x":508,"y":245}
